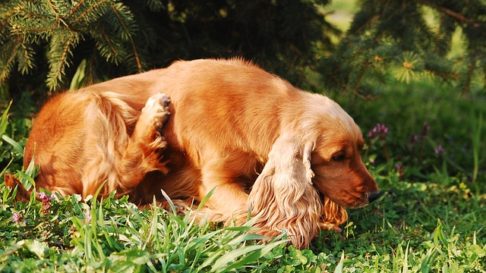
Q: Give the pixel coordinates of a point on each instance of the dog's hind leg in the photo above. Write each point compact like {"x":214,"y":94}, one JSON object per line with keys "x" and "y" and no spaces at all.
{"x":119,"y":160}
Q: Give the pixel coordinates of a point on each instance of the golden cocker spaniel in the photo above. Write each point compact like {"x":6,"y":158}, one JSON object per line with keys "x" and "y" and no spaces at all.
{"x":288,"y":157}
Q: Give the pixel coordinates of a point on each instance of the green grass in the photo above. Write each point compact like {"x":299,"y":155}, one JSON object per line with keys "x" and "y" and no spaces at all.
{"x":454,"y":122}
{"x":419,"y":227}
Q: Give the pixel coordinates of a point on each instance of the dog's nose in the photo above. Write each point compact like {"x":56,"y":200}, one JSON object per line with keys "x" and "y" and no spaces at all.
{"x":372,"y":196}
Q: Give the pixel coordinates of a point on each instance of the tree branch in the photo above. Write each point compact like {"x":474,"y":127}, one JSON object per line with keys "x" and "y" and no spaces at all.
{"x":459,"y":17}
{"x":454,"y":14}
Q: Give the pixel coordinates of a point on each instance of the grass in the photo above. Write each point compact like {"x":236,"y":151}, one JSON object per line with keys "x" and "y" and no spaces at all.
{"x":431,"y":218}
{"x":416,"y":227}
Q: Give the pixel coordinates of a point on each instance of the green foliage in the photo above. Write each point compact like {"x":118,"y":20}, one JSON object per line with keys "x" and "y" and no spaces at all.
{"x":11,"y":151}
{"x":410,"y":40}
{"x":119,"y":37}
{"x":433,"y":132}
{"x":114,"y":234}
{"x":56,"y":28}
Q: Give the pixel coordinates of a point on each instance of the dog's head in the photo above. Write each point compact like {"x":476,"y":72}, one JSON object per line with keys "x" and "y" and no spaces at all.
{"x":314,"y":171}
{"x":331,"y":144}
{"x":336,"y":162}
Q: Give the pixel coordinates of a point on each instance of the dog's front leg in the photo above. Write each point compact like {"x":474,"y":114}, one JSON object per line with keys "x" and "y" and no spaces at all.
{"x":228,"y":202}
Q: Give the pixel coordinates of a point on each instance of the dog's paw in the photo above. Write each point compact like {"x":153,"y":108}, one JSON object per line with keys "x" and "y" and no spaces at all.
{"x":153,"y":118}
{"x":148,"y":131}
{"x":157,"y":109}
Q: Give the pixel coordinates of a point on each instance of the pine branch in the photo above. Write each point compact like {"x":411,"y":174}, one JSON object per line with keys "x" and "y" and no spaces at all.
{"x":87,"y":15}
{"x":59,"y":17}
{"x":110,"y":49}
{"x":6,"y":66}
{"x":31,"y":20}
{"x":58,"y":56}
{"x":127,"y":30}
{"x":454,"y":14}
{"x":75,"y":8}
{"x":459,"y":17}
{"x":25,"y":58}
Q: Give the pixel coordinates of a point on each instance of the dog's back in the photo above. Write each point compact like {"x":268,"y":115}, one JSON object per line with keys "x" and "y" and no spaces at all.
{"x":222,"y":104}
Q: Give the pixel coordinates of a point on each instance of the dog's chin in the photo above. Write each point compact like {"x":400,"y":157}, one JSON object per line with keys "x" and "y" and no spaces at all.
{"x":322,"y":195}
{"x":359,"y":203}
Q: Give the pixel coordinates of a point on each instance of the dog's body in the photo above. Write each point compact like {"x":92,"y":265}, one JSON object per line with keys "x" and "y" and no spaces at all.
{"x":229,"y":122}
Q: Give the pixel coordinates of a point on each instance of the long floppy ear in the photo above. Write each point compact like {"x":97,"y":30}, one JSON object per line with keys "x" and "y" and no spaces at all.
{"x":333,"y":215}
{"x":283,"y":197}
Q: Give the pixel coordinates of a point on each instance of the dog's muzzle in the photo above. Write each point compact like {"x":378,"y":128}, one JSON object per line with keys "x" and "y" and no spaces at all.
{"x":372,"y":196}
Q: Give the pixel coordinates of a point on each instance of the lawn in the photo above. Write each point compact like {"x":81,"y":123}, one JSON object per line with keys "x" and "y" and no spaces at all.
{"x":432,"y":217}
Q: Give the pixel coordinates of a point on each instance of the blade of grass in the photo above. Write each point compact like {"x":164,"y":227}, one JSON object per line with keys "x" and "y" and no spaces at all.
{"x":4,"y":119}
{"x":476,"y":143}
{"x":340,"y":265}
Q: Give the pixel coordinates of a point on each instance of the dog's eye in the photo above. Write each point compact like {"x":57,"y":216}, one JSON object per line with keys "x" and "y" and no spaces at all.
{"x":339,"y":156}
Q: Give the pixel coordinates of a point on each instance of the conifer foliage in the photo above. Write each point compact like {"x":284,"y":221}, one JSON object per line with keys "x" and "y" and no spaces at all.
{"x":412,"y":39}
{"x":57,"y":27}
{"x":120,"y":37}
{"x":43,"y":42}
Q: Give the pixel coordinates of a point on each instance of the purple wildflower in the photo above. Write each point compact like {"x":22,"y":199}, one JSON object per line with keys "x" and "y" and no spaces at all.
{"x":439,"y":150}
{"x":16,"y":217}
{"x":46,"y":202}
{"x":379,"y":131}
{"x":44,"y":197}
{"x":45,"y":207}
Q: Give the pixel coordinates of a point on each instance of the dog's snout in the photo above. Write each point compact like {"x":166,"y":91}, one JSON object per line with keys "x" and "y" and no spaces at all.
{"x":372,"y":196}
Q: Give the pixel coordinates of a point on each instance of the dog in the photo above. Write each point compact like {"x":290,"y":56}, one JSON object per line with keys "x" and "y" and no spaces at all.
{"x":262,"y":147}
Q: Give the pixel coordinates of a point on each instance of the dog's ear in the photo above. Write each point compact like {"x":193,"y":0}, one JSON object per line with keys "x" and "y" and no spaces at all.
{"x":333,"y":215}
{"x":283,"y":197}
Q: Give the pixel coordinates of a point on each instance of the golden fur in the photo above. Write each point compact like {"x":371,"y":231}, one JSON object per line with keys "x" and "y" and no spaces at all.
{"x":289,"y":157}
